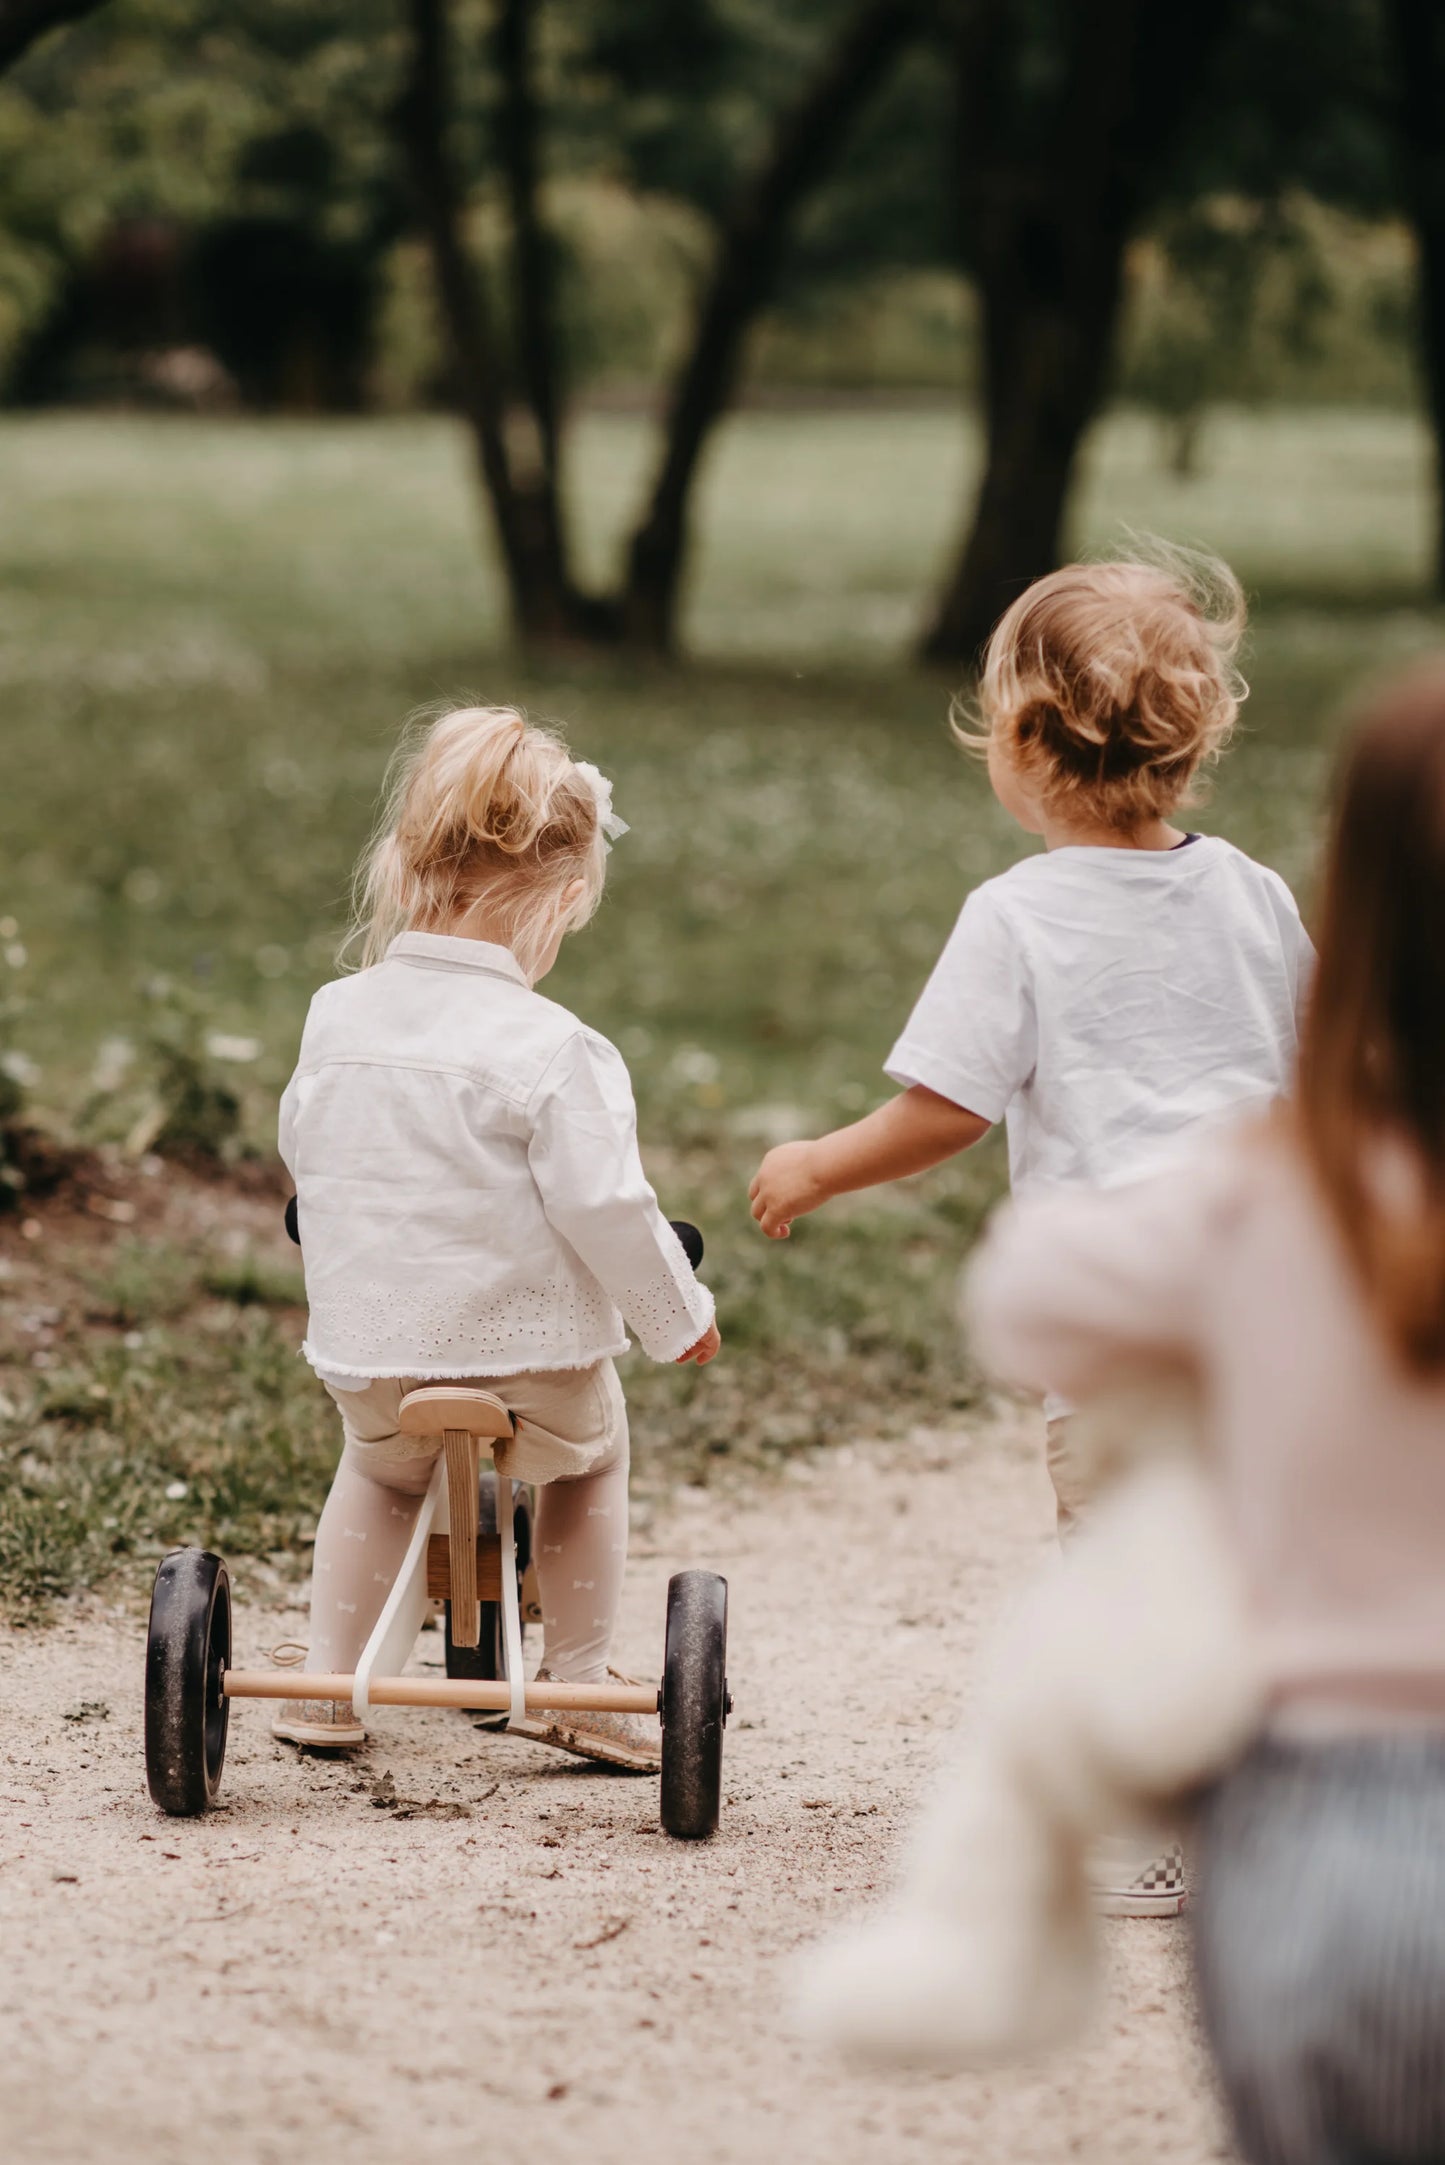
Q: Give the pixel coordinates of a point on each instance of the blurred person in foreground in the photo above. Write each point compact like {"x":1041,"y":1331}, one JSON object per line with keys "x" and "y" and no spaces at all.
{"x":1260,"y":1619}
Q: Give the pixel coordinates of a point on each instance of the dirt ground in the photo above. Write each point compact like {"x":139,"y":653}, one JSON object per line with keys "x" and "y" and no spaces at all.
{"x":461,"y":1945}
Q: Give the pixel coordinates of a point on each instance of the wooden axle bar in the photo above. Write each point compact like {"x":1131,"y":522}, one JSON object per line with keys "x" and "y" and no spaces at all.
{"x":478,"y":1697}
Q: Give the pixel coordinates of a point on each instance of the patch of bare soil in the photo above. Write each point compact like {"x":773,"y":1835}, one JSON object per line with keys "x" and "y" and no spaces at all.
{"x":458,"y":1944}
{"x":63,"y":1229}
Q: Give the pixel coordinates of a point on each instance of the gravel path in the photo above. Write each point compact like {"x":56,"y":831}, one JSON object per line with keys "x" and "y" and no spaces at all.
{"x":461,"y":1945}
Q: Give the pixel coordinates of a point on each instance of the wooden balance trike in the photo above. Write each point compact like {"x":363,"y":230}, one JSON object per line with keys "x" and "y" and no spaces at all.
{"x":478,"y":1572}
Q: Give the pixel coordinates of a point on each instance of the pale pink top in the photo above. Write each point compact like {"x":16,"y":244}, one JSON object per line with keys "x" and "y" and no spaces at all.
{"x":1332,"y":1455}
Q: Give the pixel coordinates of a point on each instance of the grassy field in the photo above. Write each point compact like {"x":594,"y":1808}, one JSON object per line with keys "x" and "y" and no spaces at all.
{"x":209,"y":635}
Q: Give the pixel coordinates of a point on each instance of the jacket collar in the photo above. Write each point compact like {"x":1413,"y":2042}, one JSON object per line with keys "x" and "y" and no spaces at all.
{"x":444,"y":950}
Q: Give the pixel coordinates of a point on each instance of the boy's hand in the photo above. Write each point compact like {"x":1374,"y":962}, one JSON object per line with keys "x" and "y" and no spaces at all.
{"x":916,"y":1129}
{"x":709,"y":1344}
{"x":787,"y":1186}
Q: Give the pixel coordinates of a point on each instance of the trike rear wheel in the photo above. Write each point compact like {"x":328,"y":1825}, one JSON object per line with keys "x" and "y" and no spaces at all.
{"x":694,"y":1705}
{"x":188,"y":1650}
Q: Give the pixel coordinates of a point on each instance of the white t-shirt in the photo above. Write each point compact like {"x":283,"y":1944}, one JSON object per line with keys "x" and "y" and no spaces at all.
{"x":1105,"y":1002}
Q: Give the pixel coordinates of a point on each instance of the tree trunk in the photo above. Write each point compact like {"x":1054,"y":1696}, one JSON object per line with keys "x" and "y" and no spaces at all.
{"x":520,"y":466}
{"x":1043,"y":386}
{"x":750,"y":249}
{"x":523,"y":502}
{"x":1418,"y":32}
{"x":23,"y":21}
{"x":1047,"y":226}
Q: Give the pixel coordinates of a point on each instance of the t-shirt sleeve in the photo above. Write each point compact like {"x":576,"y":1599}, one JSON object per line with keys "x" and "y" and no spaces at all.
{"x":972,"y":1036}
{"x":1299,"y":949}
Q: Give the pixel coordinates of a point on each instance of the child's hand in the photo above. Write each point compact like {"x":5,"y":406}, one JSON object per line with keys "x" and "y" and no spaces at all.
{"x":709,"y":1344}
{"x":787,"y":1186}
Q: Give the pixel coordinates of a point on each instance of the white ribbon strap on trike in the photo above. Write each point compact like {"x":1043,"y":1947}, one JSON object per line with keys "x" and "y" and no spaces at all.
{"x":388,"y":1650}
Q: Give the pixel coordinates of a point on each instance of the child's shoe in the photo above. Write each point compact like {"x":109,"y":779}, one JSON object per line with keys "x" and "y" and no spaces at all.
{"x":627,"y":1742}
{"x":1123,"y":1887}
{"x":320,"y":1725}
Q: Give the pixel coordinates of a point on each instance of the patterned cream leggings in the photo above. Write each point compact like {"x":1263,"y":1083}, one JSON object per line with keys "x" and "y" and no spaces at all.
{"x":571,"y":1438}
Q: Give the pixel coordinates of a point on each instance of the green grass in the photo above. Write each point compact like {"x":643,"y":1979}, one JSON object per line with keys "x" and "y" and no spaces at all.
{"x":209,"y":634}
{"x":122,"y":1453}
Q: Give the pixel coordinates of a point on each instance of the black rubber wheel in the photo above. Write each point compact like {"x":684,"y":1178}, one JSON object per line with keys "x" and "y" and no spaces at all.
{"x":188,"y":1651}
{"x":487,"y":1660}
{"x":695,"y":1704}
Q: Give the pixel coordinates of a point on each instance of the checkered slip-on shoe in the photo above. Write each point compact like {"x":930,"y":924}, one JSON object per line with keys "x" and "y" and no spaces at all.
{"x":1158,"y":1890}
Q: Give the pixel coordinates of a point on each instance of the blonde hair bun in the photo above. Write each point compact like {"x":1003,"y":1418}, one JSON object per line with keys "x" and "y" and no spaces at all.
{"x":1109,"y":685}
{"x":486,"y":821}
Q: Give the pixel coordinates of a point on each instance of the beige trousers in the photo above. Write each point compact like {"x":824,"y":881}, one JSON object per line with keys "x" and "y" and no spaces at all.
{"x":571,"y":1439}
{"x":1073,"y":1491}
{"x":1089,"y":1448}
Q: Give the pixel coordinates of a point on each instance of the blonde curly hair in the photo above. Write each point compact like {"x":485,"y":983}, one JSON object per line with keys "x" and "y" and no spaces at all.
{"x":485,"y":818}
{"x":1108,"y":686}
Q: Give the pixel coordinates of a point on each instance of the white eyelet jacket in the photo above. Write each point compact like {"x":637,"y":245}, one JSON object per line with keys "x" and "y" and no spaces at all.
{"x":469,"y":1190}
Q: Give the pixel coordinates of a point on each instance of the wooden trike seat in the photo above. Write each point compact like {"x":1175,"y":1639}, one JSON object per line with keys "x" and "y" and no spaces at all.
{"x":435,"y":1409}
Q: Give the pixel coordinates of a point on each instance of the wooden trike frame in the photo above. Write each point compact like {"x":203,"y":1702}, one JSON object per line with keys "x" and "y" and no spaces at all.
{"x":190,"y":1682}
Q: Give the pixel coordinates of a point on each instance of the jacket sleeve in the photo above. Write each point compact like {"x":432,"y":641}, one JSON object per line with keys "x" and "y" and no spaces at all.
{"x":584,"y":1158}
{"x":1077,"y":1290}
{"x":286,"y":1129}
{"x":292,"y":1099}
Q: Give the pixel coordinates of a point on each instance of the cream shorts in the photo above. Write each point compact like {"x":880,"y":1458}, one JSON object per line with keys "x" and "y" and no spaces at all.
{"x":570,"y":1422}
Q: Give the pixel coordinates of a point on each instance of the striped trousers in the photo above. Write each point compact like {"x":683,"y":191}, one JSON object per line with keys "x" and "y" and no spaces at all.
{"x":1319,"y":1937}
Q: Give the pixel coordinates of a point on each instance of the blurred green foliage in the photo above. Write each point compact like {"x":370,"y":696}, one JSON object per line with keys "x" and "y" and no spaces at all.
{"x":1241,"y":302}
{"x":198,"y":159}
{"x":182,"y":113}
{"x":186,"y":117}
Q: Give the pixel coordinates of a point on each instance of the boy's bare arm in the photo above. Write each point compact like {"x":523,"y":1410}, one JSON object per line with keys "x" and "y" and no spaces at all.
{"x":916,"y":1129}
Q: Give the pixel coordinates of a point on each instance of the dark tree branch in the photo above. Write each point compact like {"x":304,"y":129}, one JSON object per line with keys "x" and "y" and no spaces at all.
{"x":22,"y":22}
{"x":521,"y":469}
{"x":750,"y":249}
{"x":522,"y":502}
{"x":423,"y":115}
{"x":518,"y":133}
{"x":1417,"y":30}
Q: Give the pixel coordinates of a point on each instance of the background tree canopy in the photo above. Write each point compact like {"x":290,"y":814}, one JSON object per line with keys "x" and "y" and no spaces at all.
{"x":293,"y":206}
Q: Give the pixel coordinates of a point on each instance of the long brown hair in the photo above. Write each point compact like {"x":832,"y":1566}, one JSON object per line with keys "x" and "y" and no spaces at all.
{"x":1372,"y":1066}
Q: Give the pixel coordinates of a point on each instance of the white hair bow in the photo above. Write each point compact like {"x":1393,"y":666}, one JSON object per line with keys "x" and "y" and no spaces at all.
{"x":601,"y":789}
